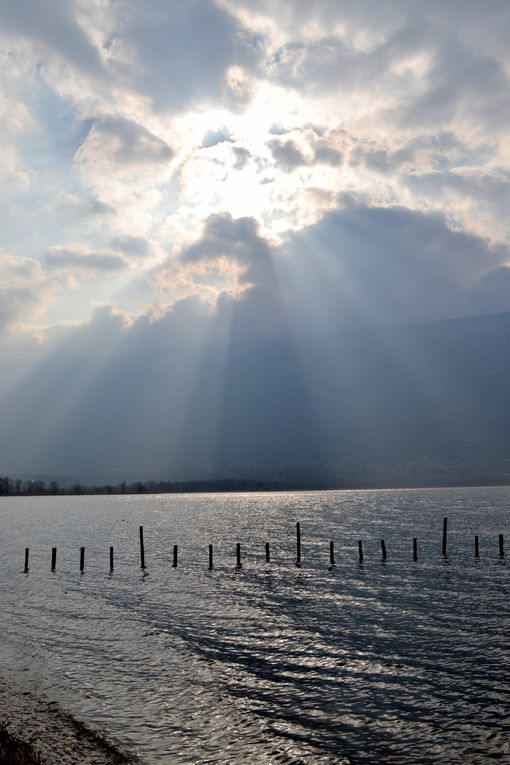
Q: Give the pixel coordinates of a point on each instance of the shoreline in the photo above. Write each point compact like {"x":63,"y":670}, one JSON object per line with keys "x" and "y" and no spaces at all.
{"x":36,"y":731}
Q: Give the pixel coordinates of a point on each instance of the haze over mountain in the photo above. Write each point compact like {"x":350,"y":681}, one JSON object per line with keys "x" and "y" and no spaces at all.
{"x":423,"y":403}
{"x":228,"y":231}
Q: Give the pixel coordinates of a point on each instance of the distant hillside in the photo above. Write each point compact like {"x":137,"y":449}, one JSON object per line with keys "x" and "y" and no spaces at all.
{"x":419,"y":404}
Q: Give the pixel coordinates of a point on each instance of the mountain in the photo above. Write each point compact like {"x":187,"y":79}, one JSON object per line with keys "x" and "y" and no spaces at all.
{"x":382,"y":406}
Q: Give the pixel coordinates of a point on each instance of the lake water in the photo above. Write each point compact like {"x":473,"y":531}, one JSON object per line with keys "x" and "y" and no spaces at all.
{"x":397,"y":662}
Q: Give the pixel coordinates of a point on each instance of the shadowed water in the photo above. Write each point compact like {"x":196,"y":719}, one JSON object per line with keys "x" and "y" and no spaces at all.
{"x":396,"y":662}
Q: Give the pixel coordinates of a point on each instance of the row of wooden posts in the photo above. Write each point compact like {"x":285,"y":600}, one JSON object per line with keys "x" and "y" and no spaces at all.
{"x":268,"y":558}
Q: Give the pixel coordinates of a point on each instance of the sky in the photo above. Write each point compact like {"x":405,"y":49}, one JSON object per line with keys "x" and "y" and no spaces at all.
{"x":198,"y":175}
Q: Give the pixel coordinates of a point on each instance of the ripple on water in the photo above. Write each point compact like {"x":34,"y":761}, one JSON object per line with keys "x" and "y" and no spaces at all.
{"x":378,"y":663}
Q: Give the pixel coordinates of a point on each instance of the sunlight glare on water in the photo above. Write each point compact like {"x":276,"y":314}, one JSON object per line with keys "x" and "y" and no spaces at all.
{"x":396,"y":662}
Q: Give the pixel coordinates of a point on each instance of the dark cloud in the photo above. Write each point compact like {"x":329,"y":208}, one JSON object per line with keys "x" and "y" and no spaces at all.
{"x":357,"y":266}
{"x":286,"y":154}
{"x":68,"y":259}
{"x":276,"y":374}
{"x":54,"y":24}
{"x":463,"y":83}
{"x":463,"y":73}
{"x":181,"y":52}
{"x":380,"y":265}
{"x":237,"y":239}
{"x":325,"y":154}
{"x":242,"y":156}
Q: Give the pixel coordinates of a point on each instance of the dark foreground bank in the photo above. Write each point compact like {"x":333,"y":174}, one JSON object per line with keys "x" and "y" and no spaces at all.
{"x":35,"y":731}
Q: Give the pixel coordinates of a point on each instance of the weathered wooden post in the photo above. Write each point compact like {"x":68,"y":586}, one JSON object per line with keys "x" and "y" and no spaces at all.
{"x":477,"y":548}
{"x":267,"y":553}
{"x":415,"y":548}
{"x":383,"y":549}
{"x":53,"y":558}
{"x":82,"y":559}
{"x":142,"y":551}
{"x":26,"y":559}
{"x":501,"y":547}
{"x":174,"y":564}
{"x":238,"y":554}
{"x":331,"y":553}
{"x":111,"y":558}
{"x":298,"y":544}
{"x":360,"y":550}
{"x":445,"y":529}
{"x":210,"y":557}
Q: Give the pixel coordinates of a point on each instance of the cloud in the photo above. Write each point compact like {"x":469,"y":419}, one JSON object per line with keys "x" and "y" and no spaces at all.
{"x":79,"y":259}
{"x":20,"y":288}
{"x":18,"y":271}
{"x":236,"y":239}
{"x":135,"y":246}
{"x":286,"y":155}
{"x":242,"y":156}
{"x":214,"y":137}
{"x":121,"y":145}
{"x":420,"y":63}
{"x":325,"y":154}
{"x":368,"y":183}
{"x":379,"y":265}
{"x":277,"y":129}
{"x":180,"y":54}
{"x":216,"y":373}
{"x":54,"y":25}
{"x":16,"y":304}
{"x":14,"y":175}
{"x":84,"y":204}
{"x":360,"y":265}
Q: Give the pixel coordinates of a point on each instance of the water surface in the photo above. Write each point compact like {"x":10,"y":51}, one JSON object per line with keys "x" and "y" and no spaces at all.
{"x":396,"y":662}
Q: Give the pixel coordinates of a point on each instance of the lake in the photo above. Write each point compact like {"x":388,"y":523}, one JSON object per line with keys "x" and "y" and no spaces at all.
{"x":397,"y":662}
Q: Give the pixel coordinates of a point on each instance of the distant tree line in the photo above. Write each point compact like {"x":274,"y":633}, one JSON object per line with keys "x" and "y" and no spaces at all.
{"x":19,"y":487}
{"x":14,"y":486}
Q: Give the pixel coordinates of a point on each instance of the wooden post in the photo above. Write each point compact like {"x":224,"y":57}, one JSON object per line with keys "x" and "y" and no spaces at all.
{"x":415,"y":548}
{"x":238,"y":554}
{"x":111,"y":558}
{"x":383,"y":548}
{"x":298,"y":544}
{"x":267,"y":553}
{"x":174,"y":564}
{"x":210,"y":557}
{"x":332,"y":553}
{"x":477,"y":548}
{"x":360,"y":548}
{"x":26,"y":559}
{"x":53,"y":558}
{"x":142,"y":551}
{"x":445,"y":528}
{"x":82,"y":559}
{"x":501,"y":547}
